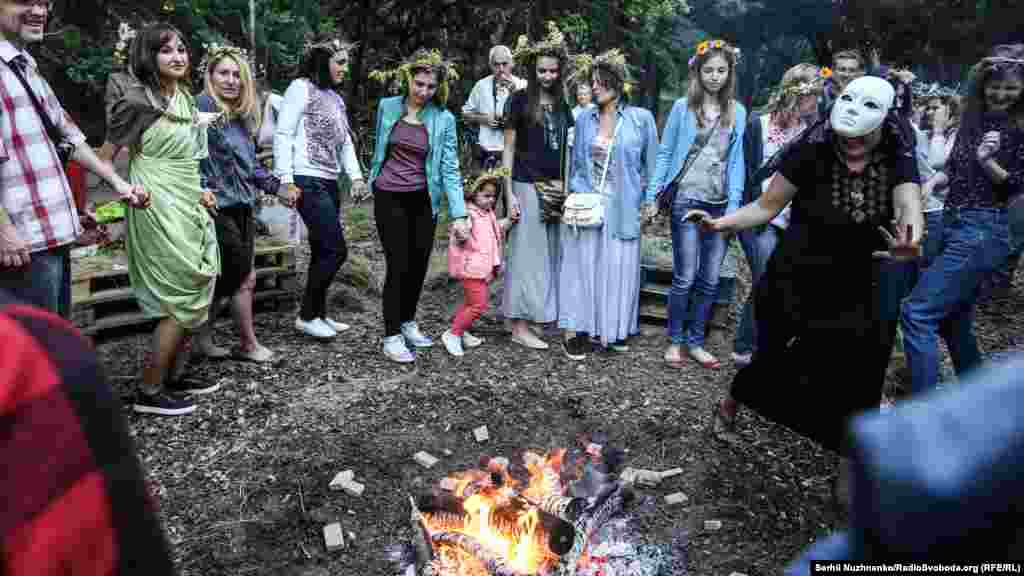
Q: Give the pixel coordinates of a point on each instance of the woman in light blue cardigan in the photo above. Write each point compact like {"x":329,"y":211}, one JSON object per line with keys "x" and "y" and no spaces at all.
{"x":709,"y":124}
{"x":415,"y":164}
{"x":615,"y":153}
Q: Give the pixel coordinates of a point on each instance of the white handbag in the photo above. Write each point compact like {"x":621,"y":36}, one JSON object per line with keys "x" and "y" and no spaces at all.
{"x":586,"y":209}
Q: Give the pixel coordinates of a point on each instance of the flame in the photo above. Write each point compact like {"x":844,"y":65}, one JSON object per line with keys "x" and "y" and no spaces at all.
{"x":495,"y":517}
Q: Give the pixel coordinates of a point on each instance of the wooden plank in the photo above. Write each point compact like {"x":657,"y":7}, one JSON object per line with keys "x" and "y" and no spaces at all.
{"x":117,"y":321}
{"x":112,"y":295}
{"x":652,"y":289}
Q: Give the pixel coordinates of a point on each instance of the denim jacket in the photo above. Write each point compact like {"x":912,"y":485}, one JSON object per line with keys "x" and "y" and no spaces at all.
{"x":636,"y":153}
{"x":443,"y":176}
{"x":679,"y":134}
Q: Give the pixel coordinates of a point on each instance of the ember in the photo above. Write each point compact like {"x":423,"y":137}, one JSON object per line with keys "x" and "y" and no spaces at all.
{"x":562,"y":513}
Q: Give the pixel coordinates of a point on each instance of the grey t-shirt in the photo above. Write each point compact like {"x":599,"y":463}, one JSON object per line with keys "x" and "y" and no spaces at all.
{"x":705,"y":180}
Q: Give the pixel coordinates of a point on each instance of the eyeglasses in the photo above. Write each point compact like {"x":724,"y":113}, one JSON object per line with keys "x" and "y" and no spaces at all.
{"x":29,"y":4}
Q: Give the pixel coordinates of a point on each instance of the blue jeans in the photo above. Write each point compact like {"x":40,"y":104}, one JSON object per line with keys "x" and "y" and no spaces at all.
{"x":45,"y":282}
{"x":320,"y":211}
{"x":696,"y":261}
{"x":975,"y":242}
{"x":758,"y":247}
{"x":933,"y":239}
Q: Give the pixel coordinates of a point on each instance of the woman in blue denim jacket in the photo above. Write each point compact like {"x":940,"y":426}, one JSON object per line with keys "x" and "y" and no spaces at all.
{"x":709,"y":123}
{"x":599,"y":280}
{"x":415,"y":164}
{"x":986,"y":175}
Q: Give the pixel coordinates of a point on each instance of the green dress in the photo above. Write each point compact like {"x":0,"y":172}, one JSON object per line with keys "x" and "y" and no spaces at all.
{"x":172,"y":244}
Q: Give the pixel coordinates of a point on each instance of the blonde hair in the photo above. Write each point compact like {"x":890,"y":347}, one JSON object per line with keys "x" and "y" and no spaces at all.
{"x":799,"y":81}
{"x":247,"y":107}
{"x":695,"y":94}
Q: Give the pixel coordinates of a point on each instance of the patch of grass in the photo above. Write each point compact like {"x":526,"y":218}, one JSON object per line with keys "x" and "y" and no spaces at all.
{"x":359,"y":224}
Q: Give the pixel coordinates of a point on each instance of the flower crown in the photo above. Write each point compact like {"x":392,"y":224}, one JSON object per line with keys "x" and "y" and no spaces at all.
{"x":125,"y":35}
{"x":494,"y":175}
{"x":552,"y":45}
{"x":612,"y":61}
{"x":421,"y":60}
{"x":331,"y":45}
{"x":803,"y":88}
{"x":934,"y":90}
{"x":707,"y":45}
{"x":215,"y":52}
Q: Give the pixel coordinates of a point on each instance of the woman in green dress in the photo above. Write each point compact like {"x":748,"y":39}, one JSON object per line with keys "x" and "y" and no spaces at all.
{"x":172,"y":246}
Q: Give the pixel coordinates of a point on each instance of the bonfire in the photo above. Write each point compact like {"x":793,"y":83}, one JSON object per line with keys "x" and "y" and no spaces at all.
{"x":562,"y":513}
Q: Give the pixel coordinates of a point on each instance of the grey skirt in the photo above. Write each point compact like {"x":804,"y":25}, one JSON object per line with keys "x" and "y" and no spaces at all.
{"x":532,"y":260}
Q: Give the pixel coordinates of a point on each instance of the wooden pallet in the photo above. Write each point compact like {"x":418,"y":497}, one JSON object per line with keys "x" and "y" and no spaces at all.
{"x":654,"y":294}
{"x":102,"y":297}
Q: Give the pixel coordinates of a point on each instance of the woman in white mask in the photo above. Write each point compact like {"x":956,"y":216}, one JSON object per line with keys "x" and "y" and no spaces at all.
{"x":822,"y":349}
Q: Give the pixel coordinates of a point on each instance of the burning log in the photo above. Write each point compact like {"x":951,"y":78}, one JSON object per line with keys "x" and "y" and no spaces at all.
{"x":494,"y":565}
{"x":421,"y":540}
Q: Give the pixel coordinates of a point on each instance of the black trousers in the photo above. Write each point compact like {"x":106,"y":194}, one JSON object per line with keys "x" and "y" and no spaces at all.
{"x":320,"y":210}
{"x":405,"y":225}
{"x":236,"y":234}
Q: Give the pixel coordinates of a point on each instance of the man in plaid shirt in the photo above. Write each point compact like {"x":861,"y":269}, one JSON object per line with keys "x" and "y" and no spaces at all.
{"x":38,"y":217}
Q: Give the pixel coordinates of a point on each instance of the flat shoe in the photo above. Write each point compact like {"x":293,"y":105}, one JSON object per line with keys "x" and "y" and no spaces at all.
{"x":260,"y":356}
{"x":531,"y":344}
{"x":712,"y":364}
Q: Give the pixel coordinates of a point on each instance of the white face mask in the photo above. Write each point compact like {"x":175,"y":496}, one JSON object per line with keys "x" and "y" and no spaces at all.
{"x":862,"y":107}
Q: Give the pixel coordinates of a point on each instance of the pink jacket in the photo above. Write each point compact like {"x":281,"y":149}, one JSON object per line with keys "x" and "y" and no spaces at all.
{"x":480,"y":255}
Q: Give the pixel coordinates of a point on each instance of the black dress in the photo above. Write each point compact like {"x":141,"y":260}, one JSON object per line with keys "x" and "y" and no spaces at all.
{"x":822,"y":348}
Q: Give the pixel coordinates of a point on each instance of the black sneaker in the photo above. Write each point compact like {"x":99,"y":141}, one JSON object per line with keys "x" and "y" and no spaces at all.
{"x":577,"y":347}
{"x":190,"y":385}
{"x":162,"y":404}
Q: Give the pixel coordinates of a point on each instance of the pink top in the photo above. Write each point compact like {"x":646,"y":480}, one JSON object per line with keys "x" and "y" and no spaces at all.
{"x":480,"y":255}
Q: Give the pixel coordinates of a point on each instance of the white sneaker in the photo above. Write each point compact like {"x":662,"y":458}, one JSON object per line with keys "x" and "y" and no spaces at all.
{"x":396,"y":351}
{"x":411,"y":333}
{"x":452,"y":343}
{"x":338,"y":327}
{"x":470,"y":341}
{"x":315,"y":328}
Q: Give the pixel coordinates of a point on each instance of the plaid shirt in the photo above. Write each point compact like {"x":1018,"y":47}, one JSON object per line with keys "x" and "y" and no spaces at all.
{"x":33,"y":187}
{"x":75,"y":499}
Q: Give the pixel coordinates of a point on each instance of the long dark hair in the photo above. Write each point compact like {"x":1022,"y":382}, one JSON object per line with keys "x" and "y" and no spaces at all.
{"x":316,"y":67}
{"x":146,"y":46}
{"x":533,"y":89}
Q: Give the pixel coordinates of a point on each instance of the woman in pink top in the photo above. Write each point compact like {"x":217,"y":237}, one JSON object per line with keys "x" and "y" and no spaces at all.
{"x":476,"y":260}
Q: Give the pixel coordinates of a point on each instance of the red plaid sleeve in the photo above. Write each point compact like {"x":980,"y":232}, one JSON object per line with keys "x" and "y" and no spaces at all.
{"x":81,"y":505}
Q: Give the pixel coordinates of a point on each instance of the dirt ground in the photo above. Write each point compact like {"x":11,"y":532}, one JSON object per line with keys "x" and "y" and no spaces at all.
{"x":243,"y":482}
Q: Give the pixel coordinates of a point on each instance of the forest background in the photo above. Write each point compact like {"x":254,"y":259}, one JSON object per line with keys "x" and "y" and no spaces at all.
{"x":937,"y":39}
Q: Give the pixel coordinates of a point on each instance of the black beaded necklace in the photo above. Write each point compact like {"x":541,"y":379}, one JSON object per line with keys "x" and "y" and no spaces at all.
{"x":863,"y":196}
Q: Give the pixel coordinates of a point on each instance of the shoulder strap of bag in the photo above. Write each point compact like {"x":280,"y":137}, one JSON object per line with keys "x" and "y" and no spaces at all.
{"x":51,"y":130}
{"x":608,"y":160}
{"x":695,"y":148}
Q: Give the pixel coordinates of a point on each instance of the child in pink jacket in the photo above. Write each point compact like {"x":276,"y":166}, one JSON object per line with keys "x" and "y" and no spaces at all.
{"x":477,"y":260}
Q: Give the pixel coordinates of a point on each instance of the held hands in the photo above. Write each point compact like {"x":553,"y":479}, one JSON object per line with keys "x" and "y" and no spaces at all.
{"x":460,"y":230}
{"x":135,"y":195}
{"x":360,"y":191}
{"x":989,"y":146}
{"x":903,"y":247}
{"x":209,"y":201}
{"x":289,"y":194}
